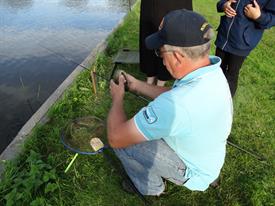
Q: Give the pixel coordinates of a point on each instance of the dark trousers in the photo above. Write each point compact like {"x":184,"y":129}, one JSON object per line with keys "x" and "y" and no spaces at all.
{"x":231,"y":65}
{"x":151,"y":14}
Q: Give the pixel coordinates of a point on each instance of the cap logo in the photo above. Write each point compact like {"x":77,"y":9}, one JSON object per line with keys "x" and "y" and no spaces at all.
{"x":204,"y":26}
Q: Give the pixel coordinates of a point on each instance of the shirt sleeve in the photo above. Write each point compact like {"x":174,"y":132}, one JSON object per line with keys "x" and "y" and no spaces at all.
{"x":220,"y":5}
{"x":156,"y":120}
{"x":267,"y":18}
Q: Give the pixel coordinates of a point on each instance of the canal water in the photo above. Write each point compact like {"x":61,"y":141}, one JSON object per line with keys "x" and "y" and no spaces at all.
{"x":32,"y":33}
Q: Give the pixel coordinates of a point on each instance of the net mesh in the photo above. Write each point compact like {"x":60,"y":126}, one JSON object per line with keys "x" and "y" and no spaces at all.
{"x":80,"y":132}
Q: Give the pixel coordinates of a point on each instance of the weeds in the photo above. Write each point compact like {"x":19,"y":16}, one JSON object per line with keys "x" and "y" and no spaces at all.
{"x":37,"y":177}
{"x":30,"y":184}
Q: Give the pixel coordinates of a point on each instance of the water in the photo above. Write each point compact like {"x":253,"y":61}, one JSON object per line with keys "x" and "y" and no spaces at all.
{"x":29,"y":31}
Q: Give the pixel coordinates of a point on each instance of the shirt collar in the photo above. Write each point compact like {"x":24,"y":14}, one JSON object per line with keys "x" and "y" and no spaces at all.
{"x":215,"y":63}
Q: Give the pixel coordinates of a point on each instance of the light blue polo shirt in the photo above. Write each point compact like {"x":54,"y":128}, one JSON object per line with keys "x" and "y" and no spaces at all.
{"x":194,"y":118}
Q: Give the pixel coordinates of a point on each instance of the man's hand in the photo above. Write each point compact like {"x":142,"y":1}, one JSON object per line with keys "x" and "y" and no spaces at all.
{"x":228,"y":10}
{"x":117,"y":90}
{"x":252,"y":11}
{"x":132,"y":83}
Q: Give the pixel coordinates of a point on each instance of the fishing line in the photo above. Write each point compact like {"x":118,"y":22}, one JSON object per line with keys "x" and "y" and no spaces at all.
{"x":101,"y":77}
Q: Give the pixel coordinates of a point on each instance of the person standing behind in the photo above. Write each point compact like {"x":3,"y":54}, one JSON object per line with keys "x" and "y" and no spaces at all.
{"x":151,"y":14}
{"x":239,"y":32}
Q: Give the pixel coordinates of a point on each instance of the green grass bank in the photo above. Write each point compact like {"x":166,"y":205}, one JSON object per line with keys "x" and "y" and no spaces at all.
{"x":37,"y":176}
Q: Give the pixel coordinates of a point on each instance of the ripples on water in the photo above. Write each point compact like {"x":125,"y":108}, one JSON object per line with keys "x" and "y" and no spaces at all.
{"x":29,"y":73}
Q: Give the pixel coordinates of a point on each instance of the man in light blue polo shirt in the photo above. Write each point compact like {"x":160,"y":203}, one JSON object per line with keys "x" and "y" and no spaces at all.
{"x":181,"y":135}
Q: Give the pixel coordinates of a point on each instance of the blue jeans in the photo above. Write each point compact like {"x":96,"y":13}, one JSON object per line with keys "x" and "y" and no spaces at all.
{"x":147,"y":163}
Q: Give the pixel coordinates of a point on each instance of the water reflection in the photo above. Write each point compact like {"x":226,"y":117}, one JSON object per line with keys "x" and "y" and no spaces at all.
{"x":16,"y":4}
{"x":125,"y":4}
{"x":101,"y":6}
{"x":29,"y":72}
{"x":75,"y":4}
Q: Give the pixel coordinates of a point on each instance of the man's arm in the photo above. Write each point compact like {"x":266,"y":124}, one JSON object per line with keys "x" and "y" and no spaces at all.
{"x":121,"y":132}
{"x":140,"y":87}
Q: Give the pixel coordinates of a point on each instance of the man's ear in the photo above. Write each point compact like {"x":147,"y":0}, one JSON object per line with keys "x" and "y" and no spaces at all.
{"x":179,"y":57}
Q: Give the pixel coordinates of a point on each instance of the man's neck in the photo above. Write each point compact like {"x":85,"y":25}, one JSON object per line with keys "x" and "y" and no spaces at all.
{"x":193,"y":65}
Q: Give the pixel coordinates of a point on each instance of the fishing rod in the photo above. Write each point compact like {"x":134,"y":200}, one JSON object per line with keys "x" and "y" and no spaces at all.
{"x":84,"y":67}
{"x":256,"y":156}
{"x":122,"y":173}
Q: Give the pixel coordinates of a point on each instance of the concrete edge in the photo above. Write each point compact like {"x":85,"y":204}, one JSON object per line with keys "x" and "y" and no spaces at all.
{"x":16,"y":146}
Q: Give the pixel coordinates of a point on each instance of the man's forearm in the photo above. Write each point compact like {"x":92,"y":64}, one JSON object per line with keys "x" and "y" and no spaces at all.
{"x":149,"y":90}
{"x":115,"y":118}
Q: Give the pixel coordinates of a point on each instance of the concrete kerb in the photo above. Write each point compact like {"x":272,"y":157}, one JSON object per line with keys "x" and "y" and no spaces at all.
{"x":15,"y":147}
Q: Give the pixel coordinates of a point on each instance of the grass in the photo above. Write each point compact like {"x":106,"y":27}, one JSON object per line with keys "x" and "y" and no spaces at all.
{"x":37,"y":176}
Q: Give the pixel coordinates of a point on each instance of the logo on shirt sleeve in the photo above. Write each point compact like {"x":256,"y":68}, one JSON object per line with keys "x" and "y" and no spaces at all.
{"x":150,"y":115}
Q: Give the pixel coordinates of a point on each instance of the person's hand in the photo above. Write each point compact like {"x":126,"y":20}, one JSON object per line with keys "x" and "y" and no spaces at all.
{"x":252,"y":11}
{"x":131,"y":82}
{"x":228,"y":10}
{"x":118,"y":90}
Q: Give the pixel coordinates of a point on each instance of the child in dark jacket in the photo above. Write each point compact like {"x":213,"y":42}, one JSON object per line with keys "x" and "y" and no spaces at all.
{"x":240,"y":30}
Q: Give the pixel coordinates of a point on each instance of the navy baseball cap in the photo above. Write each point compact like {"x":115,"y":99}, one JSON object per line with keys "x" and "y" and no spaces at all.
{"x":181,"y":28}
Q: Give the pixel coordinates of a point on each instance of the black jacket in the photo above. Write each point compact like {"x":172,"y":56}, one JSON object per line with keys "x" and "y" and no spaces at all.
{"x":239,"y":35}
